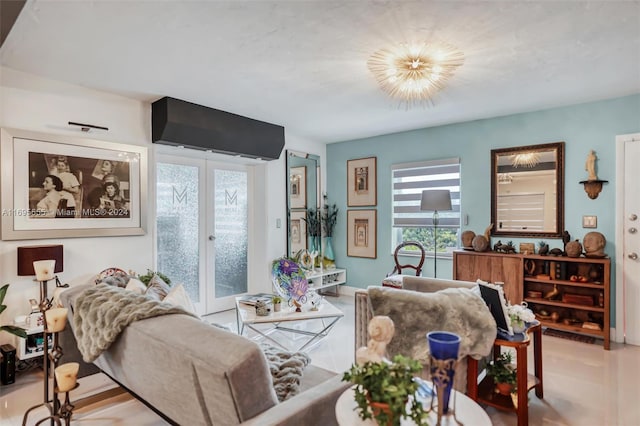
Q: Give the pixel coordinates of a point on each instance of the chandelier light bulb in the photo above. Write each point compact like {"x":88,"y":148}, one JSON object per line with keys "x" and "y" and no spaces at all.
{"x":415,"y":73}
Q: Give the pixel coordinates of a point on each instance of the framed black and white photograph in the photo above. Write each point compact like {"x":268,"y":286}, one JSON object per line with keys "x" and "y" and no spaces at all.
{"x":57,"y":186}
{"x":361,"y":233}
{"x":298,"y":187}
{"x":361,"y":182}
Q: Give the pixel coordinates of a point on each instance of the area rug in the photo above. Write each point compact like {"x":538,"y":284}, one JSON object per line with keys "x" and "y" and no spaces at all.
{"x":569,"y":336}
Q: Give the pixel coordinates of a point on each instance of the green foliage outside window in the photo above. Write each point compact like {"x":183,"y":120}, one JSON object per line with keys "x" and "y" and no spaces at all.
{"x":447,"y":238}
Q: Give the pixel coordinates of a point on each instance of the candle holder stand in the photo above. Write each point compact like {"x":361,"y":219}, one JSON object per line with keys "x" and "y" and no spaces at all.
{"x":57,"y":411}
{"x":442,"y":371}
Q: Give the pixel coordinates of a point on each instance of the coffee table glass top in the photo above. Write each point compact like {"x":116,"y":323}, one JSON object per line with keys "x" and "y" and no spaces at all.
{"x":248,"y":315}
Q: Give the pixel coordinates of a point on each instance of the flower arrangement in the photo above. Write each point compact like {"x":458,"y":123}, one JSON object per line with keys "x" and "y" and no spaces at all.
{"x":519,"y":315}
{"x":289,"y":279}
{"x":313,"y":220}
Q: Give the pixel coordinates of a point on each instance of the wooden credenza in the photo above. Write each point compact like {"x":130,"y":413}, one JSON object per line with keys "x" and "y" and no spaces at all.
{"x":491,"y":267}
{"x":568,"y":294}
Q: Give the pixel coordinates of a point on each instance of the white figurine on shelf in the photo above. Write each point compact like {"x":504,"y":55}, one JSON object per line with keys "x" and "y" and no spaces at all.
{"x":381,"y":331}
{"x":313,"y":254}
{"x":590,"y":165}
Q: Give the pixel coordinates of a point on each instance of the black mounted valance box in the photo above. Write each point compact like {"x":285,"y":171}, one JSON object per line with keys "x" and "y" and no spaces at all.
{"x":180,"y":123}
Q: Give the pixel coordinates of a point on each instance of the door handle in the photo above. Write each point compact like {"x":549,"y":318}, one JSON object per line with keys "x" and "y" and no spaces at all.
{"x":212,"y":237}
{"x":632,"y":230}
{"x":633,"y":256}
{"x":633,"y":217}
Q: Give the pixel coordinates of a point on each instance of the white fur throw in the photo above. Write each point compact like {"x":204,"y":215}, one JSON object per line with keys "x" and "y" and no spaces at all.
{"x":457,"y":310}
{"x":103,"y":311}
{"x":286,"y":370}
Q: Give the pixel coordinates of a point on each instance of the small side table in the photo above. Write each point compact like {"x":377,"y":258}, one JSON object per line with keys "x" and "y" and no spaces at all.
{"x":484,"y":392}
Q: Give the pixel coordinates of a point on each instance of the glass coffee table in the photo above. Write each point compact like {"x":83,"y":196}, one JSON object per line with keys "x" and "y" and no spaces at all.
{"x":264,"y":326}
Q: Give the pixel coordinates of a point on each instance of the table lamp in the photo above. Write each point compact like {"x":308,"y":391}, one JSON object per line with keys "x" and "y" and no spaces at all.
{"x":434,"y":200}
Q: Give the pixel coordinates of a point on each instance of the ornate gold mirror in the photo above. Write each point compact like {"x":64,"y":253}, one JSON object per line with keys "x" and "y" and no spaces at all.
{"x":527,"y":190}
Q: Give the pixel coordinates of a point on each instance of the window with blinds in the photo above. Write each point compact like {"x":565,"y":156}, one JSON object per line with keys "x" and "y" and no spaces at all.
{"x":524,"y":212}
{"x":409,"y":222}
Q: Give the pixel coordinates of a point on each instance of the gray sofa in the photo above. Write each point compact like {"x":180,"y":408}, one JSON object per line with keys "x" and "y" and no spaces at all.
{"x":486,"y":328}
{"x":193,"y":373}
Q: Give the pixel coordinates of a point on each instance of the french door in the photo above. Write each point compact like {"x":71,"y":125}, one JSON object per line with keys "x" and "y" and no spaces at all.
{"x":628,"y":239}
{"x":203,"y":228}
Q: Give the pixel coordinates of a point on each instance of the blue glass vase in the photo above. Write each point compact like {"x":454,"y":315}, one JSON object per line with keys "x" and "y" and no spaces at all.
{"x":444,"y":347}
{"x":328,"y":249}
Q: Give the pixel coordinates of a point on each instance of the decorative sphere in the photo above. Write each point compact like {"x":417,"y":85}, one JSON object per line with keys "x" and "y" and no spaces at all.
{"x":594,"y":243}
{"x":573,"y":249}
{"x":467,"y":238}
{"x":480,"y":243}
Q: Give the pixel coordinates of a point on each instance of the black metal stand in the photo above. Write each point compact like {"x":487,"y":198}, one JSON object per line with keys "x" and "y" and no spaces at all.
{"x":57,"y":411}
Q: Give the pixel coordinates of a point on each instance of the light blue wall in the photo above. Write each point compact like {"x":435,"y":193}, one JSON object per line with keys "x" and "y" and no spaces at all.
{"x":582,"y":127}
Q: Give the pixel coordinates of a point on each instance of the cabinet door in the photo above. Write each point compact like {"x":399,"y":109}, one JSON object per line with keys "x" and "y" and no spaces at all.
{"x":490,"y":267}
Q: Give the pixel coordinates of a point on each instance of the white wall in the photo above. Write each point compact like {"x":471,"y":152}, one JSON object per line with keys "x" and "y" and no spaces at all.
{"x":32,"y":103}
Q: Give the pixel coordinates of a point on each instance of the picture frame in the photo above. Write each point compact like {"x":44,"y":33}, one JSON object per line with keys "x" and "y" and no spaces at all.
{"x":298,"y":187}
{"x":58,"y":186}
{"x":298,"y":230}
{"x":362,"y":182}
{"x":527,"y":248}
{"x":362,"y":233}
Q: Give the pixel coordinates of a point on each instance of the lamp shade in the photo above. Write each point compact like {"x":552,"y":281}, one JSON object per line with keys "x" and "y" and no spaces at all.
{"x":436,"y":200}
{"x":29,"y":254}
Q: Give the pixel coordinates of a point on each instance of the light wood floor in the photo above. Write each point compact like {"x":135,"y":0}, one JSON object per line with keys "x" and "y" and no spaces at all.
{"x":584,"y":384}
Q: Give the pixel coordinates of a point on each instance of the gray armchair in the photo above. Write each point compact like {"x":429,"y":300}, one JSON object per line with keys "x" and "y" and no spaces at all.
{"x":421,"y":307}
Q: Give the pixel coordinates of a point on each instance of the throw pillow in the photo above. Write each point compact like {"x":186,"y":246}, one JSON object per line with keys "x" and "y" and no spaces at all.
{"x":178,"y":296}
{"x":136,"y":286}
{"x":157,"y":288}
{"x":113,"y":276}
{"x":286,"y":369}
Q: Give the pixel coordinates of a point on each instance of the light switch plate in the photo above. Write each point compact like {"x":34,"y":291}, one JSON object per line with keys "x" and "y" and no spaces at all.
{"x":589,"y":221}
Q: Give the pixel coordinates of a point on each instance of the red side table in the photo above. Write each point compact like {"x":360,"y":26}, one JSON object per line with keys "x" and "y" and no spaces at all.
{"x":484,"y":392}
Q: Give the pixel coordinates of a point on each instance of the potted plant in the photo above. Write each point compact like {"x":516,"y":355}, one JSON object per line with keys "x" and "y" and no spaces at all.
{"x":503,"y":373}
{"x":277,"y":303}
{"x":18,"y":331}
{"x":382,"y":390}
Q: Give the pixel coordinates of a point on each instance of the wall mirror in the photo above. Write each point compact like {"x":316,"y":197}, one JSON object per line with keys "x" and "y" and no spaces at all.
{"x":527,"y":190}
{"x":303,"y":193}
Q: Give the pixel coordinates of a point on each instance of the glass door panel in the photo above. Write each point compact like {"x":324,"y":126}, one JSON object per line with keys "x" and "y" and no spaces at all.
{"x":230,"y":231}
{"x":178,"y":226}
{"x":202,"y":229}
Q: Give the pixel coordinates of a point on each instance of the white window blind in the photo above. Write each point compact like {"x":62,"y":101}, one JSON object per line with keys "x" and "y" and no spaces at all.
{"x":410,"y":179}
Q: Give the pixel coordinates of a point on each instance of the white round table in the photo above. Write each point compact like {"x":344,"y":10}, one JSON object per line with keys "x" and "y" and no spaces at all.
{"x":467,"y":412}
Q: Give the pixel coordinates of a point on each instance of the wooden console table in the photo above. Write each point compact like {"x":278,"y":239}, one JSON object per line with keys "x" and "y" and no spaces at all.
{"x":484,"y":392}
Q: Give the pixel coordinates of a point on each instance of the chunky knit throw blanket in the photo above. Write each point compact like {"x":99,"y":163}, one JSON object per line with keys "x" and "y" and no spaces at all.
{"x":286,"y":370}
{"x":102,"y":312}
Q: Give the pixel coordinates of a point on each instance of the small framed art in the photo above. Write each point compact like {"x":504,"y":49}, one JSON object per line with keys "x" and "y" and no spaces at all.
{"x":298,"y":231}
{"x":361,"y":233}
{"x":298,"y":187}
{"x":361,"y":182}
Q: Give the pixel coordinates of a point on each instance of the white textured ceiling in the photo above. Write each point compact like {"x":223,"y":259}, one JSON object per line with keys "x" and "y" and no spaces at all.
{"x":302,"y":64}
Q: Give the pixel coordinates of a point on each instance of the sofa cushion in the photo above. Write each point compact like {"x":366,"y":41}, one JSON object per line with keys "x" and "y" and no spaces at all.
{"x":136,"y":286}
{"x":178,"y":296}
{"x":157,"y":288}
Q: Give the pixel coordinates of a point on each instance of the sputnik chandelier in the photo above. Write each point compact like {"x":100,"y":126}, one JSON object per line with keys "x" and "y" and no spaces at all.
{"x":415,"y":72}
